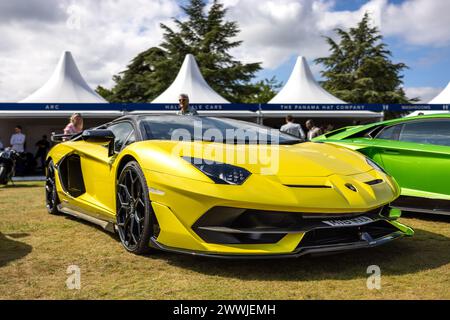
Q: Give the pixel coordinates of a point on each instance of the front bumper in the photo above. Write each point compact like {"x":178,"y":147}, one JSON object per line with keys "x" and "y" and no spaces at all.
{"x":308,"y":250}
{"x":180,"y":204}
{"x":313,"y":236}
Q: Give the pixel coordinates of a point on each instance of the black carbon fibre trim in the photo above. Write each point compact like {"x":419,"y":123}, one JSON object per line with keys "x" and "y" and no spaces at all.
{"x":436,"y":206}
{"x":374,"y":182}
{"x":223,"y":225}
{"x":307,"y":186}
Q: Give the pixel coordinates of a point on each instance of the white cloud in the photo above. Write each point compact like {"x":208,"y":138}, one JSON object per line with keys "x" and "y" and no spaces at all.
{"x":273,"y":31}
{"x":102,"y":35}
{"x":425,"y":94}
{"x":420,"y":22}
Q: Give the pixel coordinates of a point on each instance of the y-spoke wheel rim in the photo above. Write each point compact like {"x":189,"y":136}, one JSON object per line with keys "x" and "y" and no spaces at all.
{"x":130,"y":208}
{"x":50,"y":187}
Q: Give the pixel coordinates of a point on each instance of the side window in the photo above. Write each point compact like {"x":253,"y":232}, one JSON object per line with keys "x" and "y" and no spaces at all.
{"x":124,"y":134}
{"x":390,"y":133}
{"x":435,"y":132}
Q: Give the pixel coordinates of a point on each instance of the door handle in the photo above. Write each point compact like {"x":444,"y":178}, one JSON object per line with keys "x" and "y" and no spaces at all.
{"x":390,"y":152}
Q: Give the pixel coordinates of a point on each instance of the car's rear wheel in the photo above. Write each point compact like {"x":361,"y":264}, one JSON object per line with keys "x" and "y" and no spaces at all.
{"x":3,"y":175}
{"x":134,"y":211}
{"x":51,"y":194}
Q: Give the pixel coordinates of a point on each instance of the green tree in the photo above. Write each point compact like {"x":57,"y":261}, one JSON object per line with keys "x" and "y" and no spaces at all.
{"x":105,"y":93}
{"x":140,"y":82}
{"x":266,"y":89}
{"x":205,"y":34}
{"x":359,"y":68}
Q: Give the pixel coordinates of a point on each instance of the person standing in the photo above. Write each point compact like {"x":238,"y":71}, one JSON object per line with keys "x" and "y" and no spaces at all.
{"x":313,"y":130}
{"x":292,"y":128}
{"x":185,"y":108}
{"x":43,"y":146}
{"x":75,"y":125}
{"x":329,"y":128}
{"x":17,"y":140}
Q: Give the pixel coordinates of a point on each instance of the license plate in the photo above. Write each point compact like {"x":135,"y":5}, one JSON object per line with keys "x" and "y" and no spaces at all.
{"x":359,"y":221}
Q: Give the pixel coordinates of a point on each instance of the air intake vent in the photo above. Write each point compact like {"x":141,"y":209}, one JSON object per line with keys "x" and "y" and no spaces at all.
{"x":374,"y":182}
{"x":307,"y":186}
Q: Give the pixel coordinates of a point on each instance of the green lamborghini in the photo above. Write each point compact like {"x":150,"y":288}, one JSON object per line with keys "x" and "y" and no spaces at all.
{"x":415,"y":151}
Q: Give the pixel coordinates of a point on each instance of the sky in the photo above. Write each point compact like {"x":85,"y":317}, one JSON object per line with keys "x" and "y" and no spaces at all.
{"x":104,"y":35}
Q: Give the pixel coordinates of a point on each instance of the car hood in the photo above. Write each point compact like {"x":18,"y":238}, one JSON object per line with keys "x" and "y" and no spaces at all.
{"x":300,"y":160}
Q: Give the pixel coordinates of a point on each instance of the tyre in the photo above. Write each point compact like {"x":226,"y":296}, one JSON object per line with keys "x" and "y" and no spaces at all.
{"x":134,"y":213}
{"x":51,"y":194}
{"x":3,"y":175}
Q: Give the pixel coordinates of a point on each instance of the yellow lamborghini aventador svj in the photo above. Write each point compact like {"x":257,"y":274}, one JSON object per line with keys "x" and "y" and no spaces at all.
{"x":222,"y":188}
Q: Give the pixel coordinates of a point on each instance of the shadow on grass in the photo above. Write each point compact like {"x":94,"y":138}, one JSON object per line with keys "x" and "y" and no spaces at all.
{"x":11,"y":250}
{"x":422,"y":252}
{"x":22,"y":185}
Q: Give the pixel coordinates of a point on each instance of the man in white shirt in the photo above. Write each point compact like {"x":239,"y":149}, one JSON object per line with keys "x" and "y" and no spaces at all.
{"x":292,"y":128}
{"x":18,"y":140}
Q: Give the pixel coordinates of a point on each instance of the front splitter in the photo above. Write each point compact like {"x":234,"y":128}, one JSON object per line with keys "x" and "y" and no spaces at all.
{"x":301,"y":251}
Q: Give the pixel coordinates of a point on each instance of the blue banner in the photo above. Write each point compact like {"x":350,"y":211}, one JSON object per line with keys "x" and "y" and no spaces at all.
{"x":128,"y":107}
{"x":353,"y":107}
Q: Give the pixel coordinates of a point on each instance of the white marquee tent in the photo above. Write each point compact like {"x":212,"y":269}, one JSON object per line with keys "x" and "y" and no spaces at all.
{"x":302,"y":88}
{"x":442,"y":98}
{"x":66,"y":85}
{"x":191,"y":82}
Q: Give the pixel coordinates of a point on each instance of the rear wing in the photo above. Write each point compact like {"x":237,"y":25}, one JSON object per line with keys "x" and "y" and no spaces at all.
{"x":63,"y":137}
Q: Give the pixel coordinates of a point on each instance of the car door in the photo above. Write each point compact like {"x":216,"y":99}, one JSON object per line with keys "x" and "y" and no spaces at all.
{"x":124,"y":134}
{"x":98,"y":171}
{"x":417,"y":154}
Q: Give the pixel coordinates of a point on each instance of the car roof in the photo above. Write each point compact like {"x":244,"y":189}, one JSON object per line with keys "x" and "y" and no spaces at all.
{"x":138,"y":116}
{"x":405,"y":119}
{"x":349,"y":131}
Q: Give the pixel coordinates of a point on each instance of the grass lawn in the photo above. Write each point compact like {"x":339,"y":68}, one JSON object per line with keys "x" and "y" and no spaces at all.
{"x":36,"y":249}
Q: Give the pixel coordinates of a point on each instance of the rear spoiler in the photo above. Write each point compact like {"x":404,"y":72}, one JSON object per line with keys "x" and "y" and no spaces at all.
{"x":63,"y":137}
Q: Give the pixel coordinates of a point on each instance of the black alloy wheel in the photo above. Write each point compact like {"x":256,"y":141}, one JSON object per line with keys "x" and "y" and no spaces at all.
{"x":51,"y":195}
{"x":135,"y":217}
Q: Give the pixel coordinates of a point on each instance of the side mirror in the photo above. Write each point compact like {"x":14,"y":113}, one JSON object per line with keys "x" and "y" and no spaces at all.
{"x":100,"y":136}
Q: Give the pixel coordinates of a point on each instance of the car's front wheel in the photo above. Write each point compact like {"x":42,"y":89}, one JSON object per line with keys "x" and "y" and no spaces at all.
{"x":134,"y":211}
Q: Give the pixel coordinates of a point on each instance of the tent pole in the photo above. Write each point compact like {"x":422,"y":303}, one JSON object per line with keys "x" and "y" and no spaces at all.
{"x":260,"y":116}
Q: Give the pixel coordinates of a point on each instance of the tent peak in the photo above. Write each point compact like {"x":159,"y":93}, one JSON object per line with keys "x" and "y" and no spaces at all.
{"x":66,"y":85}
{"x":302,"y":87}
{"x":190,"y":81}
{"x":443,"y":97}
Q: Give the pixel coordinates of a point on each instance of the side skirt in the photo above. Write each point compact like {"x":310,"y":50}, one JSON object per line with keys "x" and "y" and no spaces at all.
{"x":422,"y":205}
{"x":421,"y":210}
{"x":106,"y":225}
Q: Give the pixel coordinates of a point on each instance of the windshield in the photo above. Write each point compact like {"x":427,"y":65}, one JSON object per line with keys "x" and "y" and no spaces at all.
{"x":223,"y":130}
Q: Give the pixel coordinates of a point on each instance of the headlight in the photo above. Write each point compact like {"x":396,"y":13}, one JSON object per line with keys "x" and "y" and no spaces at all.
{"x":376,"y":166}
{"x":221,"y":173}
